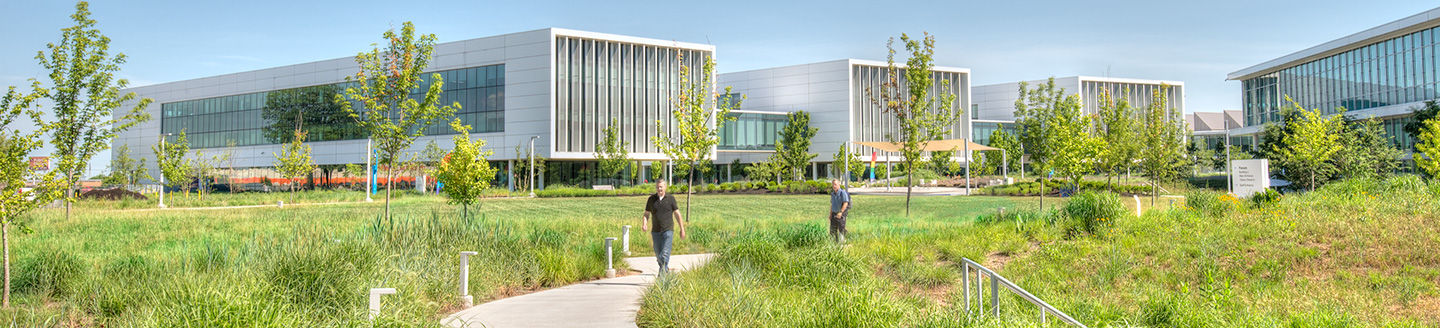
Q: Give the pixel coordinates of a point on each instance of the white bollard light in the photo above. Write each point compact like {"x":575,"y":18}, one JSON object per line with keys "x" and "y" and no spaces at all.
{"x":1137,"y":204}
{"x":609,"y":258}
{"x":465,"y":279}
{"x":625,"y":240}
{"x":375,"y":300}
{"x":280,"y":203}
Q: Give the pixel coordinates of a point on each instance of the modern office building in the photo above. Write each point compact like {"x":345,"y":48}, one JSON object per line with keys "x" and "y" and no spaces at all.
{"x":559,"y":87}
{"x":995,"y":103}
{"x":837,"y":94}
{"x":1382,"y":73}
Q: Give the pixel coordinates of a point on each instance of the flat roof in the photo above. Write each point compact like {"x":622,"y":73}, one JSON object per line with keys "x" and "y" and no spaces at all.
{"x":1388,"y":30}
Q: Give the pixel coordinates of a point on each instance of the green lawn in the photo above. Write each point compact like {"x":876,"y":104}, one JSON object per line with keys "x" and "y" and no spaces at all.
{"x":310,"y":265}
{"x":1357,"y":253}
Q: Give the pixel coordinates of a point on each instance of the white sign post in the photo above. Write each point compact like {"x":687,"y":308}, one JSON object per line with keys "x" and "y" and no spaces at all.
{"x":1250,"y":176}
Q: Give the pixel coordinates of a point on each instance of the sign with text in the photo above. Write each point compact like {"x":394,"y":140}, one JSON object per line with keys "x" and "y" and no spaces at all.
{"x":1250,"y":176}
{"x":39,"y":163}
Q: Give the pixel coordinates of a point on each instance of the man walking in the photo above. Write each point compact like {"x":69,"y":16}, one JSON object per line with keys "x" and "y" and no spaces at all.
{"x":662,"y":213}
{"x":839,"y":206}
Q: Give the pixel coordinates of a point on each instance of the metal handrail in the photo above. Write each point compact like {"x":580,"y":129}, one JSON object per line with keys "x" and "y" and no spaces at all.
{"x":995,"y":282}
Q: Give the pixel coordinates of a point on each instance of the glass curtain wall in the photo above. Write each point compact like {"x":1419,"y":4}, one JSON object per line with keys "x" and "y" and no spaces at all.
{"x":751,"y":131}
{"x":1398,"y":70}
{"x":270,"y":117}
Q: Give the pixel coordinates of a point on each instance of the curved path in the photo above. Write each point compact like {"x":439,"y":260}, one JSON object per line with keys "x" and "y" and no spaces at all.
{"x":609,"y":302}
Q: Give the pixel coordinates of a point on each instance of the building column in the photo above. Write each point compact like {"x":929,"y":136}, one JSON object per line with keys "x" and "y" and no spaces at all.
{"x":510,"y":173}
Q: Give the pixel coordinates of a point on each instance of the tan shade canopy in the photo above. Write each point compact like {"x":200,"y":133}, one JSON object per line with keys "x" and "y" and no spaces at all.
{"x":934,"y":145}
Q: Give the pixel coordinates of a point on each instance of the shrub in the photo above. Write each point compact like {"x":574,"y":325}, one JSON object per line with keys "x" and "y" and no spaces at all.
{"x":52,"y":272}
{"x":1210,"y":203}
{"x":1265,"y":198}
{"x":754,"y":249}
{"x":1089,"y":211}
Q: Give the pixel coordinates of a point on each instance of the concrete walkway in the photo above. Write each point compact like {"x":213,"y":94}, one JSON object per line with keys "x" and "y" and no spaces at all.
{"x":601,"y":303}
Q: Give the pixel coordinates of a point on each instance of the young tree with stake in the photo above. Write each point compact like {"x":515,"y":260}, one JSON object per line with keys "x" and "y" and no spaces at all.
{"x":794,"y":145}
{"x":385,"y":81}
{"x":293,"y":161}
{"x":698,"y":115}
{"x":905,"y":93}
{"x":15,"y":170}
{"x":85,"y":95}
{"x":611,"y":152}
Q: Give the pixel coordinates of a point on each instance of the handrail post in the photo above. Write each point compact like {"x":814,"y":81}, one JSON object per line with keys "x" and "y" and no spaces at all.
{"x":965,"y":280}
{"x":995,"y":294}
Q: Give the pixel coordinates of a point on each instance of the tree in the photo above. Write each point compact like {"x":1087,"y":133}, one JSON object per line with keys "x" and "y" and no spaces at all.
{"x":206,"y":167}
{"x":175,"y":167}
{"x":1117,"y":130}
{"x":1419,"y":116}
{"x":1074,"y":150}
{"x":1162,"y":149}
{"x":389,"y":114}
{"x":15,"y":170}
{"x":794,"y":144}
{"x":1313,"y":144}
{"x":847,"y":161}
{"x":769,"y":170}
{"x":521,"y":174}
{"x":85,"y":95}
{"x":353,"y":170}
{"x":126,"y":170}
{"x":1007,"y":141}
{"x":429,"y":159}
{"x":465,"y":172}
{"x":698,"y":115}
{"x":1427,"y":154}
{"x":611,"y":152}
{"x":1034,"y":110}
{"x":1366,"y":151}
{"x":922,"y":116}
{"x":940,"y":162}
{"x":293,"y":161}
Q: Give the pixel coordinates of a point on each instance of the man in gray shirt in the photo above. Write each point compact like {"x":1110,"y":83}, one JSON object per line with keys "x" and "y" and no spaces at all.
{"x":839,"y":207}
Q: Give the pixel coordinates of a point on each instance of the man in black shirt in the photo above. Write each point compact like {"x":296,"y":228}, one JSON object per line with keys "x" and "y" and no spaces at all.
{"x":662,"y":213}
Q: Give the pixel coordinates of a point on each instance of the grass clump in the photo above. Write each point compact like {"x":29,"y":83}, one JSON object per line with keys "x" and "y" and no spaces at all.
{"x":1091,"y":211}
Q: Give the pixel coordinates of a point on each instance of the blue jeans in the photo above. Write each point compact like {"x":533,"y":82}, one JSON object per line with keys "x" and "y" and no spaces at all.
{"x":661,"y":242}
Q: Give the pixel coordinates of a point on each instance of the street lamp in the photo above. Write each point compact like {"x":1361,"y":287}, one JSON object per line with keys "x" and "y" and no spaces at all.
{"x":162,"y":170}
{"x":532,"y":165}
{"x":369,"y":170}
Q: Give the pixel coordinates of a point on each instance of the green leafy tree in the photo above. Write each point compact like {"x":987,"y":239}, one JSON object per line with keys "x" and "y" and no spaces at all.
{"x":611,"y":152}
{"x":85,"y":97}
{"x":847,"y":161}
{"x":698,"y":115}
{"x":386,"y":80}
{"x":293,"y":161}
{"x":15,"y":171}
{"x":174,"y":165}
{"x":1310,"y":149}
{"x":1007,"y":141}
{"x":940,"y":162}
{"x":1073,"y":149}
{"x":353,"y":170}
{"x":1162,"y":149}
{"x":657,"y":171}
{"x":126,"y":170}
{"x":1427,"y":155}
{"x":206,"y":168}
{"x":465,"y":172}
{"x":1035,"y":109}
{"x":1366,"y":151}
{"x":907,"y":95}
{"x":521,"y":174}
{"x":429,"y":159}
{"x":1418,"y":117}
{"x":769,"y":170}
{"x":794,"y":144}
{"x":1117,"y":129}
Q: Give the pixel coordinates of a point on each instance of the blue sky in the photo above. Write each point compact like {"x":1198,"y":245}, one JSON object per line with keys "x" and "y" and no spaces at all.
{"x":1197,"y":42}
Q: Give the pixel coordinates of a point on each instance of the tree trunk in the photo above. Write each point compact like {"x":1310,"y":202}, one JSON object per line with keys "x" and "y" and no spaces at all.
{"x":69,"y":193}
{"x":909,"y":185}
{"x":5,"y":236}
{"x":1042,"y":195}
{"x":1154,"y":191}
{"x":689,"y":189}
{"x":389,"y":184}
